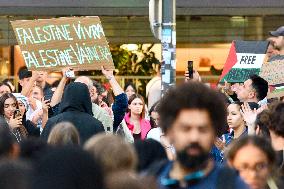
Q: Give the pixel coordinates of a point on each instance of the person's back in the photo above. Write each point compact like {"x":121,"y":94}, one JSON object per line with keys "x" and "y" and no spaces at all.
{"x":76,"y":107}
{"x":68,"y":167}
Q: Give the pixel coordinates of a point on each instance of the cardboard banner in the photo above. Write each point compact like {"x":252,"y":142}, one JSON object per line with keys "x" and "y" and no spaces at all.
{"x":50,"y":44}
{"x":245,"y":58}
{"x":273,"y":71}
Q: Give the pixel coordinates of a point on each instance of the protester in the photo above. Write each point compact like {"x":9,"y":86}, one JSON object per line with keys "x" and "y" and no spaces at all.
{"x":190,"y":120}
{"x":32,"y":149}
{"x":254,"y":89}
{"x":157,"y":134}
{"x":76,"y":107}
{"x":135,"y":120}
{"x":8,"y":106}
{"x":9,"y":149}
{"x":24,"y":106}
{"x":24,"y":80}
{"x":154,"y":115}
{"x":118,"y":108}
{"x":64,"y":133}
{"x":276,"y":129}
{"x":237,"y":128}
{"x":262,"y":123}
{"x":28,"y":79}
{"x":4,"y":88}
{"x":15,"y":175}
{"x":278,"y":39}
{"x":129,"y":89}
{"x":153,"y":88}
{"x":113,"y":152}
{"x":39,"y":113}
{"x":254,"y":158}
{"x":41,"y":81}
{"x":68,"y":168}
{"x":149,"y":151}
{"x":9,"y":82}
{"x":271,"y":49}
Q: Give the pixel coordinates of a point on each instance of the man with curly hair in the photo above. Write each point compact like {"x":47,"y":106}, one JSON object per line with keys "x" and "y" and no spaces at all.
{"x":191,"y":116}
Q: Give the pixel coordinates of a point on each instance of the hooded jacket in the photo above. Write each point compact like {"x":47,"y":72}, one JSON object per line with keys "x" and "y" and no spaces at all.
{"x":76,"y":107}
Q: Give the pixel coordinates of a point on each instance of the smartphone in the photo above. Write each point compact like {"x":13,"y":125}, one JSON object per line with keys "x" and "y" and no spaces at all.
{"x":70,"y":74}
{"x":190,"y":68}
{"x":17,"y":113}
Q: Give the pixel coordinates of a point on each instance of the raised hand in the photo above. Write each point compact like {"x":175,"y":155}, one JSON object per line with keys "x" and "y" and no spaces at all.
{"x":248,"y":114}
{"x":108,"y":73}
{"x":220,"y":144}
{"x":45,"y":104}
{"x":196,"y":76}
{"x":15,"y":122}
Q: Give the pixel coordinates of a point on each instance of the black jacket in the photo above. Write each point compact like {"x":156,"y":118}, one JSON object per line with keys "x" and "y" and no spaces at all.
{"x":76,"y":107}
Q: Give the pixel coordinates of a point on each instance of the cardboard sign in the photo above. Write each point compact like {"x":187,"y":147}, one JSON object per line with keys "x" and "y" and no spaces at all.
{"x":273,"y":71}
{"x":50,"y":44}
{"x":245,"y":58}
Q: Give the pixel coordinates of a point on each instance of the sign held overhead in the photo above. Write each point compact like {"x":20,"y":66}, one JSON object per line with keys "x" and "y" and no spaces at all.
{"x":245,"y":58}
{"x":76,"y":42}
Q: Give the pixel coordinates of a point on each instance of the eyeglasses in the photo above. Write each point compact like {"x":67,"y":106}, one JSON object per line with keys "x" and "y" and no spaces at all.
{"x":256,"y":168}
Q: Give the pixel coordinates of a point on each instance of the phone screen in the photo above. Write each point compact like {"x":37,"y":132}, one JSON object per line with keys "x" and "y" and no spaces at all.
{"x":17,"y":113}
{"x":190,"y":68}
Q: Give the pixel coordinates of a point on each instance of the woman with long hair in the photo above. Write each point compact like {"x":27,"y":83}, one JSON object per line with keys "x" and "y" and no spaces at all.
{"x":10,"y":111}
{"x":237,"y":129}
{"x":135,"y":118}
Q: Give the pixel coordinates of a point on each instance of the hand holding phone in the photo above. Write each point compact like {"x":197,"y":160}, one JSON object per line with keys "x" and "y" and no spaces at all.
{"x":190,"y":68}
{"x":17,"y":113}
{"x":70,"y":74}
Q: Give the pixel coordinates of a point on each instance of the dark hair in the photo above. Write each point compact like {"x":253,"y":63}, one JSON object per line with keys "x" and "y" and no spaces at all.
{"x":68,"y":167}
{"x":149,"y":151}
{"x":262,"y":122}
{"x":154,"y":108}
{"x":276,"y":123}
{"x":32,"y":149}
{"x":6,"y":138}
{"x":259,"y":142}
{"x":130,"y":84}
{"x":100,"y":89}
{"x":192,"y":95}
{"x":260,"y":85}
{"x":252,"y":105}
{"x":3,"y":98}
{"x":24,"y":73}
{"x":6,"y":84}
{"x":132,"y":97}
{"x":15,"y":174}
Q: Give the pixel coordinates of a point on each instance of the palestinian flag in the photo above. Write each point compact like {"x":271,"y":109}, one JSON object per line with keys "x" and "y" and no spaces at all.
{"x":245,"y":58}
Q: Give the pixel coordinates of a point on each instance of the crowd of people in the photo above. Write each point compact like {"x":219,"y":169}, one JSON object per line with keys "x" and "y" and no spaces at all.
{"x":77,"y":133}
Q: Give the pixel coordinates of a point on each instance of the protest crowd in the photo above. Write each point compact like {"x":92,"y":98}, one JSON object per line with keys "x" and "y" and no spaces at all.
{"x":78,"y":134}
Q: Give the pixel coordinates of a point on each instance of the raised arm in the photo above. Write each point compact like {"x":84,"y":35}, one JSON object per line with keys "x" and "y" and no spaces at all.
{"x":57,"y":95}
{"x":116,"y":88}
{"x":28,"y":87}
